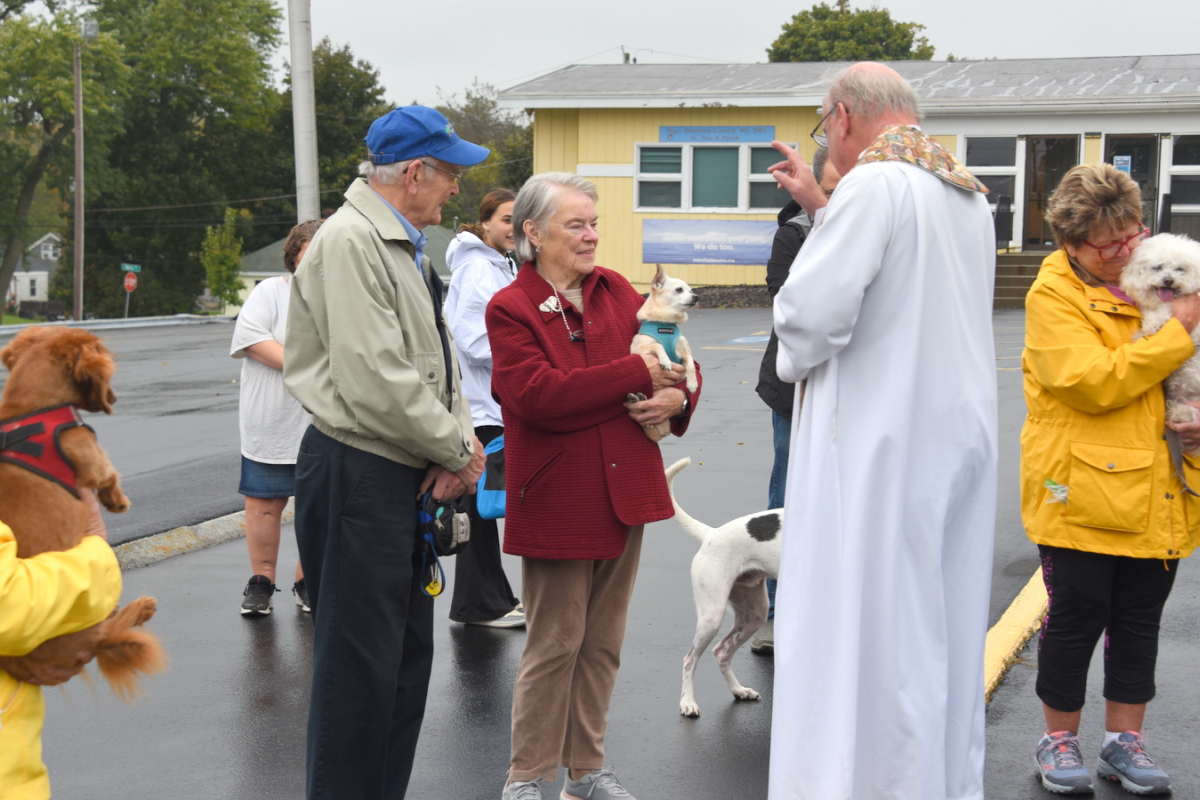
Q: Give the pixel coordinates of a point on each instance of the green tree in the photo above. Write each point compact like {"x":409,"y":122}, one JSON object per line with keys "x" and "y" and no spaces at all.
{"x":196,"y":134}
{"x":37,"y":117}
{"x":348,"y":98}
{"x":478,"y":118}
{"x":221,"y":255}
{"x":825,"y":33}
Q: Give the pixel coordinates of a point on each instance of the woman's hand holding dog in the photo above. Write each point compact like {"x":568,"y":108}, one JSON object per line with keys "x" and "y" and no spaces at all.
{"x":95,"y":522}
{"x":1186,"y":309}
{"x":1189,"y":432}
{"x":662,"y":378}
{"x":666,"y":403}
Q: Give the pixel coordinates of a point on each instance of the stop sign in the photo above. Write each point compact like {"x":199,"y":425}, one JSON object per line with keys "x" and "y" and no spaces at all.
{"x":130,"y":281}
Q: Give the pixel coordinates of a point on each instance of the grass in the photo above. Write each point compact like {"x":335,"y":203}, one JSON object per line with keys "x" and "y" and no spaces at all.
{"x":9,"y":319}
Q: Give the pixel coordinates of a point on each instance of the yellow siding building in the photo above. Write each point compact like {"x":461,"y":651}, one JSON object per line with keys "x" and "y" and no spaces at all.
{"x":690,"y":143}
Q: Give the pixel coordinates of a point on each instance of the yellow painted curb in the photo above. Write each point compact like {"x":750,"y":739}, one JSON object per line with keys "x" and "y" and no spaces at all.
{"x":1008,"y":636}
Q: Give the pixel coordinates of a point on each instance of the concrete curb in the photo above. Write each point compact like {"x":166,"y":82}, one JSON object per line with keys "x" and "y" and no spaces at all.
{"x":1008,"y":636}
{"x":187,"y":539}
{"x":120,"y":324}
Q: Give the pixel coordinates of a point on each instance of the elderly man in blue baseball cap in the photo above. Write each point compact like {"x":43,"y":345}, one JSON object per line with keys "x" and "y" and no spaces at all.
{"x":368,"y":355}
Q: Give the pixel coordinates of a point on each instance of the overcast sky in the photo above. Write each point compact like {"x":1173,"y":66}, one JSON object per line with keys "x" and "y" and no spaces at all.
{"x":418,"y":49}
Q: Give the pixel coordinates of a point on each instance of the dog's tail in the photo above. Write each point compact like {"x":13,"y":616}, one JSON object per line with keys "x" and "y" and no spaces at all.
{"x":692,"y":526}
{"x":127,"y":651}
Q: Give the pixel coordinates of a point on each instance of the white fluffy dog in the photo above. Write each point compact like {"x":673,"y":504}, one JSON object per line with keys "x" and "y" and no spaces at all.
{"x":1164,"y":267}
{"x":731,"y":568}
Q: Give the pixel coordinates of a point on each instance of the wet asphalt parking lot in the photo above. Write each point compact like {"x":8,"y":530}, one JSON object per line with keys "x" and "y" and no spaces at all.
{"x":227,"y":720}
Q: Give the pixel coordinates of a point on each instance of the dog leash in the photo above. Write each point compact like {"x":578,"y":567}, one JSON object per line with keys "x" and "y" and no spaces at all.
{"x":1175,"y":448}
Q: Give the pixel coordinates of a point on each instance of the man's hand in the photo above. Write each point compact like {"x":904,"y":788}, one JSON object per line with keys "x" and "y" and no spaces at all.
{"x":665,"y":403}
{"x":1189,"y":432}
{"x":446,"y":484}
{"x":95,"y":523}
{"x":661,"y":378}
{"x":796,"y":178}
{"x":42,"y":674}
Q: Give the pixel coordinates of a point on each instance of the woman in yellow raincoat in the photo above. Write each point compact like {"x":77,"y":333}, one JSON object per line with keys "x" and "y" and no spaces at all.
{"x":1099,"y":493}
{"x":49,"y":595}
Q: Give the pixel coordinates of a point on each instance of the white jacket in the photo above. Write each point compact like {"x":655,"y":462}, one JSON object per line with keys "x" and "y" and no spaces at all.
{"x":477,"y":272}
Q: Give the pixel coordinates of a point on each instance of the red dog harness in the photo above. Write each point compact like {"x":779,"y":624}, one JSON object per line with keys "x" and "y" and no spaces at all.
{"x":32,"y":442}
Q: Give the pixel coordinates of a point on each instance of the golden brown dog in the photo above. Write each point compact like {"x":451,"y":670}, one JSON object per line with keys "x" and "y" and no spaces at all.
{"x":51,"y":367}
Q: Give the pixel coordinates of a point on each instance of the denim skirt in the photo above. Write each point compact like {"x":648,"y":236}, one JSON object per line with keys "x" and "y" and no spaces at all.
{"x":267,"y":480}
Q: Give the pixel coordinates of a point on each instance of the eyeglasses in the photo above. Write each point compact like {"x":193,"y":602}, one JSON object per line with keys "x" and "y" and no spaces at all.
{"x":455,"y":177}
{"x":1111,"y":250}
{"x":820,"y":138}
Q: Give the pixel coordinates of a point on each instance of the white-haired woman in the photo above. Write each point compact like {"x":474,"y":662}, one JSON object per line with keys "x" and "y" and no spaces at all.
{"x":582,"y":478}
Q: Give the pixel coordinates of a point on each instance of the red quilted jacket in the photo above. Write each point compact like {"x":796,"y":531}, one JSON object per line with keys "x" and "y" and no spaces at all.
{"x":578,"y":469}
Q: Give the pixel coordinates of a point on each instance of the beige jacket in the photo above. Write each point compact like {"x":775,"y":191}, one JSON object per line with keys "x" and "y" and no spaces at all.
{"x":363,"y":354}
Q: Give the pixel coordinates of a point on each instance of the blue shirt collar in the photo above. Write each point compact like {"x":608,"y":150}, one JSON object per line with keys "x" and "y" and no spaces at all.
{"x":418,"y":238}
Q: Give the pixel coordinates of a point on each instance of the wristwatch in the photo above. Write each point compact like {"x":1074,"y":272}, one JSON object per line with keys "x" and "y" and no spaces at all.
{"x":684,"y":409}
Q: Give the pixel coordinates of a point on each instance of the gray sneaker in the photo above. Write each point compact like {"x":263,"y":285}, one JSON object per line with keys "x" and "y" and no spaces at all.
{"x":599,"y":784}
{"x":1125,"y":761}
{"x":1060,"y":764}
{"x":763,"y":643}
{"x":523,"y":790}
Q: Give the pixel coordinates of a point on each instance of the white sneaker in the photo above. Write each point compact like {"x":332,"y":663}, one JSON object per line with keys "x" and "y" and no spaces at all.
{"x":513,"y":619}
{"x":763,"y":643}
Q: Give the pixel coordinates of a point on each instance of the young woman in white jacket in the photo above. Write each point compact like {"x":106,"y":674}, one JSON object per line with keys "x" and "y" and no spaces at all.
{"x":480,"y":267}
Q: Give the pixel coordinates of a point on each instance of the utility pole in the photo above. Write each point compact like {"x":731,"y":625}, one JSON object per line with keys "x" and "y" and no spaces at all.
{"x":304,"y":111}
{"x":88,"y":29}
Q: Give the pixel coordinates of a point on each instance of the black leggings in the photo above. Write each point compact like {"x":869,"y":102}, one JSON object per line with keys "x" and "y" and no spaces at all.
{"x":1091,"y":593}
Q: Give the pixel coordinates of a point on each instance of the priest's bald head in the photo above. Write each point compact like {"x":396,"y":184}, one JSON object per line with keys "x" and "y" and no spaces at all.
{"x":864,"y":99}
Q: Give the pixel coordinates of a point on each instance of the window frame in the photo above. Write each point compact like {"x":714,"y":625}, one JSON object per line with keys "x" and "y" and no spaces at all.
{"x":983,"y":173}
{"x":684,"y":178}
{"x":1181,"y":171}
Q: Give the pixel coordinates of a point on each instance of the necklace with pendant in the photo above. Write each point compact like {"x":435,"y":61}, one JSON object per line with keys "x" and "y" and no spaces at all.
{"x":572,"y":336}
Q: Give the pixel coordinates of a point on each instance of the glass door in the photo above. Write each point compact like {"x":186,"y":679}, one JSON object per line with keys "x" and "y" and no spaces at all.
{"x":1047,"y":159}
{"x":1137,"y":156}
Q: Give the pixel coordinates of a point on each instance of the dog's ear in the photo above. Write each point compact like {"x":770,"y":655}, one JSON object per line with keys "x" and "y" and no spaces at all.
{"x":660,"y":277}
{"x":93,"y":371}
{"x":20,"y":344}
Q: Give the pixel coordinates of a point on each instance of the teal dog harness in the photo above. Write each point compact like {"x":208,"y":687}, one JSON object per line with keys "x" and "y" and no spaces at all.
{"x":667,"y":334}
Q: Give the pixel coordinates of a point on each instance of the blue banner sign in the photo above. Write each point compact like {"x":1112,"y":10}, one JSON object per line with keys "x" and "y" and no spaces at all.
{"x":716,"y":134}
{"x":707,"y":241}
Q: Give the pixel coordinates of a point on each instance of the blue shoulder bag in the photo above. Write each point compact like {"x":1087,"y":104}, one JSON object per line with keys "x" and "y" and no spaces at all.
{"x":490,"y":496}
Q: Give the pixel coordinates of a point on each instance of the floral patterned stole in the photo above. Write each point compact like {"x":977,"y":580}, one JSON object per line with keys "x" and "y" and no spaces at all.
{"x":913,"y":146}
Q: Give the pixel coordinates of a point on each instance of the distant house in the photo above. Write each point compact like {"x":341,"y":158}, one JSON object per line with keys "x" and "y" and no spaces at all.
{"x":267,"y":262}
{"x":31,"y":279}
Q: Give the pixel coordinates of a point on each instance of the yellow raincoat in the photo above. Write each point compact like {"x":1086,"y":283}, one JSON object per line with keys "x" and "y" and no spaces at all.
{"x":1096,"y":416}
{"x":40,"y":598}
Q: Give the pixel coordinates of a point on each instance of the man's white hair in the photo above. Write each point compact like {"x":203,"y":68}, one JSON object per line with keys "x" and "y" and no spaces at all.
{"x":871,"y":90}
{"x":389,"y":174}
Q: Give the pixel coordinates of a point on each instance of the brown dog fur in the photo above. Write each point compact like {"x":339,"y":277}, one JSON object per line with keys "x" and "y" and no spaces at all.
{"x":54,"y":366}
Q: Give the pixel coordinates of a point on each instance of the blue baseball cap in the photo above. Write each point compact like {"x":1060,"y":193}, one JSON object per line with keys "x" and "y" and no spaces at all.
{"x":410,"y":132}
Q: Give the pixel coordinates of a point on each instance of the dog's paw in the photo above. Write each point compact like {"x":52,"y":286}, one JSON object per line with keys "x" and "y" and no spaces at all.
{"x":1182,"y":413}
{"x":693,"y":385}
{"x":746,"y":693}
{"x":689,"y":709}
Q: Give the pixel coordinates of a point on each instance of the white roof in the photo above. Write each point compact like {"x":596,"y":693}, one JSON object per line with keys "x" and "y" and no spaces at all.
{"x":1114,"y":84}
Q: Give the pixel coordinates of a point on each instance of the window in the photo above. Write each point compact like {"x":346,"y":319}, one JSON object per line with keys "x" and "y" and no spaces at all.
{"x":695,"y":177}
{"x":50,"y":251}
{"x":1185,"y":186}
{"x":33,"y":288}
{"x":993,"y":160}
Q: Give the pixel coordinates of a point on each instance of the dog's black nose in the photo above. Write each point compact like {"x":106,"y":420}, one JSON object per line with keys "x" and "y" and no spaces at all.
{"x":1168,"y":282}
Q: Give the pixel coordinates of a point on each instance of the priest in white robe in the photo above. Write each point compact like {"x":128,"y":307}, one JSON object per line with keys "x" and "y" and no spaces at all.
{"x":891,"y":493}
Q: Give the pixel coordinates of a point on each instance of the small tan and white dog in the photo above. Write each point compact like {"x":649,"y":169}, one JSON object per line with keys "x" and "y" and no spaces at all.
{"x":661,"y":315}
{"x":1164,"y":267}
{"x":730,"y":569}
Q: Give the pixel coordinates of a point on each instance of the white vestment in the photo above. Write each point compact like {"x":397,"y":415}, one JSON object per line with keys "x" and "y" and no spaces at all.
{"x":891,"y":495}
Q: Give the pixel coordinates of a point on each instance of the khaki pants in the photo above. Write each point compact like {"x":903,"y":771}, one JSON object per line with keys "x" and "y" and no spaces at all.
{"x":575,"y":615}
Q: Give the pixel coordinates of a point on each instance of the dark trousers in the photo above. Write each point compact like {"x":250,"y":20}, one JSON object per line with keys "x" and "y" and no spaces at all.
{"x":373,"y":647}
{"x":481,"y":589}
{"x":1091,"y":594}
